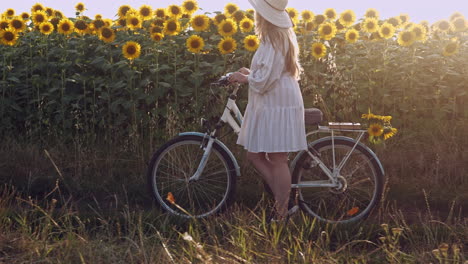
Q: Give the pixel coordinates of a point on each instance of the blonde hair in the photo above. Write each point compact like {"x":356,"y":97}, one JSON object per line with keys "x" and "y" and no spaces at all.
{"x":278,"y":37}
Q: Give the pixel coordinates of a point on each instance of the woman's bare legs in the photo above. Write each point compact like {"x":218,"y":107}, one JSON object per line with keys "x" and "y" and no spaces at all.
{"x":276,"y":173}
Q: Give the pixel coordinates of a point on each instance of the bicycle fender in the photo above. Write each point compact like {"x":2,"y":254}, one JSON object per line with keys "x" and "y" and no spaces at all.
{"x":221,"y":144}
{"x":352,"y":140}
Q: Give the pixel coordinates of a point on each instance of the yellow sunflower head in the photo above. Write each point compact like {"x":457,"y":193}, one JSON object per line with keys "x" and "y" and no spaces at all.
{"x":98,"y":23}
{"x":238,"y":16}
{"x":327,"y":30}
{"x":46,"y":28}
{"x":450,"y":49}
{"x":123,"y":9}
{"x":25,"y":16}
{"x":171,"y":27}
{"x":107,"y":34}
{"x":330,"y":13}
{"x":134,"y":21}
{"x":80,"y":7}
{"x":246,"y":25}
{"x":388,"y":133}
{"x":375,"y":130}
{"x":219,"y":18}
{"x":370,"y":25}
{"x":190,"y":6}
{"x":39,"y":17}
{"x":227,"y":45}
{"x":307,"y":16}
{"x":65,"y":27}
{"x":347,"y":18}
{"x":319,"y":19}
{"x":352,"y":35}
{"x":293,"y":13}
{"x":459,"y":24}
{"x":251,"y":43}
{"x":309,"y":26}
{"x":404,"y":18}
{"x":319,"y":50}
{"x":200,"y":23}
{"x":10,"y":12}
{"x":227,"y":28}
{"x":230,"y":9}
{"x":339,"y":26}
{"x":387,"y":30}
{"x":4,"y":24}
{"x":195,"y":44}
{"x":9,"y":37}
{"x":81,"y":26}
{"x":50,"y":11}
{"x":37,"y":7}
{"x":156,"y":29}
{"x":420,"y":32}
{"x":174,"y":11}
{"x":58,"y":14}
{"x":443,"y":26}
{"x":160,"y":13}
{"x":455,"y":16}
{"x":157,"y":36}
{"x":406,"y":38}
{"x":145,"y":12}
{"x":17,"y":24}
{"x":394,"y":21}
{"x":372,"y":13}
{"x":131,"y":50}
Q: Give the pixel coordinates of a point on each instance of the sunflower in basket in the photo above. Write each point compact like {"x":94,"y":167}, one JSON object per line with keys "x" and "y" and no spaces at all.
{"x":379,"y":127}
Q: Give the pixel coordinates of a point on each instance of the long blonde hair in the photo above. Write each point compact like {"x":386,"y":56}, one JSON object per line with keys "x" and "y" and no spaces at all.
{"x":277,"y":36}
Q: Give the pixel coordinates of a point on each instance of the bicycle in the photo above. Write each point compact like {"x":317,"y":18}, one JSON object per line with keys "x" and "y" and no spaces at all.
{"x":337,"y":179}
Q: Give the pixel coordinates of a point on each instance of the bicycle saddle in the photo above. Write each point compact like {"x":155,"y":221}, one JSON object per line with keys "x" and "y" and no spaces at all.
{"x":312,"y":116}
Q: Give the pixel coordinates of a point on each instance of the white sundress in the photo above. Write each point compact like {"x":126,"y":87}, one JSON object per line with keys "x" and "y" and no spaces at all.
{"x":274,"y":116}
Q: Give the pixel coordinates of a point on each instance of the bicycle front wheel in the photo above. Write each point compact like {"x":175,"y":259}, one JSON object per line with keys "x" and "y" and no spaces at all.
{"x":361,"y":180}
{"x":171,"y":168}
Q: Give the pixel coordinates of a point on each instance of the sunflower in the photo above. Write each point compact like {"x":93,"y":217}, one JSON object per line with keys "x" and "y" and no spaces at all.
{"x":375,"y":130}
{"x":394,"y":21}
{"x":155,"y":29}
{"x":352,"y":35}
{"x":8,"y":37}
{"x":107,"y":34}
{"x":80,"y":7}
{"x":131,"y":50}
{"x":389,"y":133}
{"x":65,"y":27}
{"x":50,"y":11}
{"x":134,"y":21}
{"x":227,"y":45}
{"x":251,"y":43}
{"x":219,"y":18}
{"x":371,"y":13}
{"x":404,"y":18}
{"x":319,"y":50}
{"x":39,"y":17}
{"x":370,"y":25}
{"x":443,"y":26}
{"x":81,"y":26}
{"x":450,"y":49}
{"x":160,"y":13}
{"x":10,"y":12}
{"x":189,"y":6}
{"x":46,"y":28}
{"x":347,"y":18}
{"x":58,"y":14}
{"x":55,"y":21}
{"x":420,"y":32}
{"x":327,"y":30}
{"x":227,"y":28}
{"x":459,"y":24}
{"x":455,"y":16}
{"x":17,"y":24}
{"x":406,"y":38}
{"x":200,"y":23}
{"x":37,"y":7}
{"x":330,"y":13}
{"x":98,"y":23}
{"x":307,"y":16}
{"x":387,"y":30}
{"x":145,"y":12}
{"x":25,"y":15}
{"x":230,"y":9}
{"x":157,"y":36}
{"x":174,"y":11}
{"x":238,"y":16}
{"x":309,"y":26}
{"x":4,"y":24}
{"x":319,"y":19}
{"x":195,"y":44}
{"x":123,"y":9}
{"x":339,"y":26}
{"x":171,"y":27}
{"x":246,"y":25}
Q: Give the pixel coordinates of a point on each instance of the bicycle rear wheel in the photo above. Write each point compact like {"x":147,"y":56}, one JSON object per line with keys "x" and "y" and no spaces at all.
{"x":172,"y":166}
{"x":361,"y":178}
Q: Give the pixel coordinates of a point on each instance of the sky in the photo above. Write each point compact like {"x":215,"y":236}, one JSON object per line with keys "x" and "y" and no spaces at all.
{"x":418,"y":10}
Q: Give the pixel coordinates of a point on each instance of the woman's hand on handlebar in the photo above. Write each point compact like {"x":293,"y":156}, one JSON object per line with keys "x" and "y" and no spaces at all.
{"x":244,"y":70}
{"x":238,"y":77}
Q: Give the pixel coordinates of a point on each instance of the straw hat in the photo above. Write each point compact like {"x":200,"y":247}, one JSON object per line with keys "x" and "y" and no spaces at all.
{"x":274,"y":11}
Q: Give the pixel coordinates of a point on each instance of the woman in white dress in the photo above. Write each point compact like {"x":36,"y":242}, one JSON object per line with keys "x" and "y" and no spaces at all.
{"x":274,"y":118}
